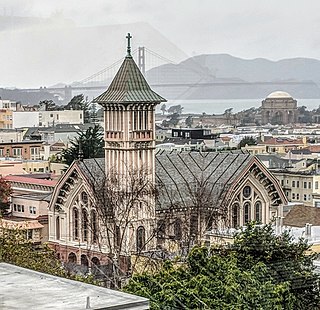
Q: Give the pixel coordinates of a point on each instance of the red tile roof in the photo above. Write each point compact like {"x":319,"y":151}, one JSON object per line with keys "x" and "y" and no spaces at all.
{"x":282,"y":141}
{"x":30,"y":180}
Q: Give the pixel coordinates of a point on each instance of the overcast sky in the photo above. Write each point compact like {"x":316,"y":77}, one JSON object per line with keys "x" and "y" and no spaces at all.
{"x":273,"y":29}
{"x":246,"y":28}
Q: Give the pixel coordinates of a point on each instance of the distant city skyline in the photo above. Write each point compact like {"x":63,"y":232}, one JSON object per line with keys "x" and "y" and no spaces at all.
{"x":247,"y":29}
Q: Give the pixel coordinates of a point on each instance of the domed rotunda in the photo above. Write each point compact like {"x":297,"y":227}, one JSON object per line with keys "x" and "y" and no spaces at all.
{"x":279,"y":108}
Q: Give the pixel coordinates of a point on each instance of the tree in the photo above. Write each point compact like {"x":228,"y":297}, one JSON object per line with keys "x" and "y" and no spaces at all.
{"x":78,"y":102}
{"x":247,"y":140}
{"x":287,"y":261}
{"x":88,"y":144}
{"x":210,"y":279}
{"x":5,"y":192}
{"x":175,"y":109}
{"x":16,"y":249}
{"x":189,"y":121}
{"x":163,"y":108}
{"x":120,"y":200}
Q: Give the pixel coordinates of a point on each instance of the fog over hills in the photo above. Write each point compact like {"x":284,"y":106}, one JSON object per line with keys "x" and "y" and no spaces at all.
{"x":225,"y":76}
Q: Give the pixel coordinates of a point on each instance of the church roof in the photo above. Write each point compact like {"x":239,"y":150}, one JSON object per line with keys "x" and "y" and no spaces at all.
{"x":128,"y":86}
{"x":182,"y":172}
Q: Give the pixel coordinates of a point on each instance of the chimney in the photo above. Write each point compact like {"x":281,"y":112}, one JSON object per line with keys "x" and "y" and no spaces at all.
{"x":307,"y":230}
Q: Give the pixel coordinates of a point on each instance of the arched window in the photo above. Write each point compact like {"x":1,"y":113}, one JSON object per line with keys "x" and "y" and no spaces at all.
{"x":117,"y":236}
{"x":75,"y":215}
{"x":94,"y":226}
{"x":235,"y":215}
{"x":246,"y":213}
{"x":72,"y":258}
{"x":177,"y":229}
{"x":161,"y":229}
{"x":141,"y":237}
{"x":58,"y":228}
{"x":84,"y":263}
{"x":95,"y":265}
{"x":85,"y":225}
{"x":258,"y":212}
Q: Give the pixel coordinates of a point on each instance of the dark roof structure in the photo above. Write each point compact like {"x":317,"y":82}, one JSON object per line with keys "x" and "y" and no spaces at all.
{"x":183,"y":174}
{"x":299,"y":215}
{"x":128,"y":86}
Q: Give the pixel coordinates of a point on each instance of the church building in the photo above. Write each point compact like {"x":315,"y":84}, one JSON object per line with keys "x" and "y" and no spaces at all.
{"x":135,"y":200}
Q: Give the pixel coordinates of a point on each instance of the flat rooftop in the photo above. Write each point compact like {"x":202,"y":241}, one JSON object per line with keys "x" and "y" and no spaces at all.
{"x":22,"y":288}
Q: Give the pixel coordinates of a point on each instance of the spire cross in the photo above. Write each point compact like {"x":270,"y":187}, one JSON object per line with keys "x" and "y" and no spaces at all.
{"x":128,"y":47}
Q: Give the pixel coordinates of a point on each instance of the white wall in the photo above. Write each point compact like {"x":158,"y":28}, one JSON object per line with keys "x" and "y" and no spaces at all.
{"x":25,"y":119}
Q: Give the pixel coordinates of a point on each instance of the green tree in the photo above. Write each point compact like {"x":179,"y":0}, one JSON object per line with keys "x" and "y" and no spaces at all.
{"x":210,"y":279}
{"x":163,"y":108}
{"x":247,"y":140}
{"x":16,"y":249}
{"x":88,"y":144}
{"x":78,"y":102}
{"x":189,"y":121}
{"x":5,"y":192}
{"x":287,"y":261}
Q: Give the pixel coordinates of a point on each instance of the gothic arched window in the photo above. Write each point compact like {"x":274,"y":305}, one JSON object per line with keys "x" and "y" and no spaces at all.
{"x":75,"y":215}
{"x":141,"y":237}
{"x":72,"y":258}
{"x":258,"y":212}
{"x":85,"y":225}
{"x":94,"y":226}
{"x":177,"y":229}
{"x":58,"y":228}
{"x":235,"y":215}
{"x":246,"y":213}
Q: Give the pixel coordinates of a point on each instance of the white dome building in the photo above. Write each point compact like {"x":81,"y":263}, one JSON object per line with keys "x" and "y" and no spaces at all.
{"x":279,"y":108}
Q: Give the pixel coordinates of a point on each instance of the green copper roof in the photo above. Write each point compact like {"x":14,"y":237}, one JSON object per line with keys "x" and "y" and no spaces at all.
{"x":128,"y":86}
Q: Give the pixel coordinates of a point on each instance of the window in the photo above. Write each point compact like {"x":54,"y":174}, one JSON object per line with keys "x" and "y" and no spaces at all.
{"x":298,"y":196}
{"x":258,"y":211}
{"x":1,"y":152}
{"x":304,"y":184}
{"x":309,"y":185}
{"x":177,"y":229}
{"x":14,"y":207}
{"x":293,"y":196}
{"x":161,"y":229}
{"x":75,"y":224}
{"x":246,"y":212}
{"x":94,"y":226}
{"x":32,"y":210}
{"x":293,"y":184}
{"x":235,"y":215}
{"x":58,"y":228}
{"x":309,"y":197}
{"x":85,"y":225}
{"x":175,"y":134}
{"x":247,"y":191}
{"x":141,"y":236}
{"x":282,"y":183}
{"x":298,"y":183}
{"x":316,"y":185}
{"x":29,"y":234}
{"x":17,"y":152}
{"x":305,"y":197}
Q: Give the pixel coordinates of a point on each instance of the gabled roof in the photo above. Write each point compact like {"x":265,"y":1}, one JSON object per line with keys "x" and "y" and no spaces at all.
{"x":128,"y":86}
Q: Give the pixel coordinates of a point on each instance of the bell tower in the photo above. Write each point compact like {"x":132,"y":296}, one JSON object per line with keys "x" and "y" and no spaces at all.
{"x":129,"y":116}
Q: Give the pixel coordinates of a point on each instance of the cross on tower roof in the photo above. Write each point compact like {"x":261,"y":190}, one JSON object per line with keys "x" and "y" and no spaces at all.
{"x":129,"y":47}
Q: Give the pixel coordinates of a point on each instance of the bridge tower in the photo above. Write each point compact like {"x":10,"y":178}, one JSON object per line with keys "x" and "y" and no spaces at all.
{"x":142,"y":60}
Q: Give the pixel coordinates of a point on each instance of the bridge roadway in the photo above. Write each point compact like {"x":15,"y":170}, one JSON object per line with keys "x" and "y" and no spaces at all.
{"x":103,"y":87}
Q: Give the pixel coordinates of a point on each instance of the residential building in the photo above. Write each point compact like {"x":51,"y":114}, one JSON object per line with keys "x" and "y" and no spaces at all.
{"x":28,"y":150}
